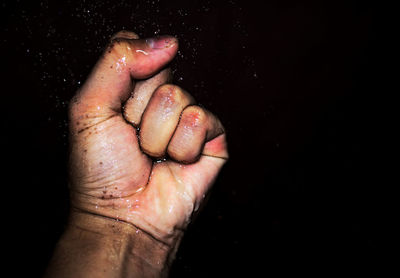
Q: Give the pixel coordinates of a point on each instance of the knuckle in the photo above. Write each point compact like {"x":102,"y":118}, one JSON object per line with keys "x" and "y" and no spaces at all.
{"x":170,"y":92}
{"x":194,"y":116}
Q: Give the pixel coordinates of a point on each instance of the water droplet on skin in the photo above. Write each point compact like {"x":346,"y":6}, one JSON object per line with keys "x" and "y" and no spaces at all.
{"x":159,"y":161}
{"x":142,"y":51}
{"x":139,"y":189}
{"x":120,"y":64}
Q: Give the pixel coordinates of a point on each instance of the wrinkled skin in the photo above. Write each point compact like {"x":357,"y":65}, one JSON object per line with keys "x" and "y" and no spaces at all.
{"x":118,"y":125}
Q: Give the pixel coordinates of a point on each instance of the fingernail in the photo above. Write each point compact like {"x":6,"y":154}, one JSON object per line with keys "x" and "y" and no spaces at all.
{"x":161,"y":42}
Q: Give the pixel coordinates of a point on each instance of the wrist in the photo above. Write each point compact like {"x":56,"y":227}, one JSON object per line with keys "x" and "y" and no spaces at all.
{"x":111,"y":247}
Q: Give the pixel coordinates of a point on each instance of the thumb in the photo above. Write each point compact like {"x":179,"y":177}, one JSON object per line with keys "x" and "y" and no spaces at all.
{"x":112,"y":79}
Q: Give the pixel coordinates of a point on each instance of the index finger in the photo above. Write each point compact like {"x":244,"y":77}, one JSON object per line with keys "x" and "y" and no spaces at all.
{"x":124,"y":59}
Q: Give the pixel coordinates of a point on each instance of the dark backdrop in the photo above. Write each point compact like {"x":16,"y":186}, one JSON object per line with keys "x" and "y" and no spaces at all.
{"x":295,"y":83}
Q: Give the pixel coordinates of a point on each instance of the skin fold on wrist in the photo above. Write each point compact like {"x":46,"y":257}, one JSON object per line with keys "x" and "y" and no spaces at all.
{"x":109,"y":248}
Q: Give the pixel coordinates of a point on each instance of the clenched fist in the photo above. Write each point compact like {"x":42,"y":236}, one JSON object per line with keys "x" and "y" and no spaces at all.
{"x":143,"y":156}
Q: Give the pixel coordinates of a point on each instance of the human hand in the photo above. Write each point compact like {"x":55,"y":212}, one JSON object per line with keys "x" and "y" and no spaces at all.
{"x":116,"y":134}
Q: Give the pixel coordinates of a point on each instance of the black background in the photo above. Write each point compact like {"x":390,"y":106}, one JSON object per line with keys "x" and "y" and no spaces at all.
{"x":297,"y":85}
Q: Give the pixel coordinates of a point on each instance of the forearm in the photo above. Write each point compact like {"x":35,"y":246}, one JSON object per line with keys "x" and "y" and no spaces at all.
{"x":95,"y":246}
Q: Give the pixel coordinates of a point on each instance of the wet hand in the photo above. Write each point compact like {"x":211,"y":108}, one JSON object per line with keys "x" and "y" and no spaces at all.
{"x":142,"y":152}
